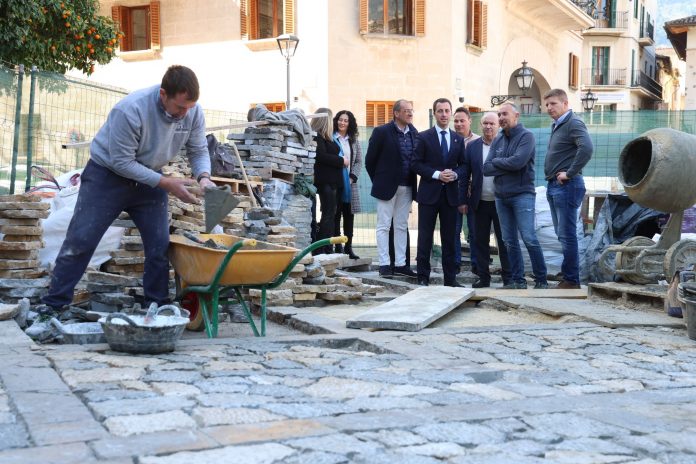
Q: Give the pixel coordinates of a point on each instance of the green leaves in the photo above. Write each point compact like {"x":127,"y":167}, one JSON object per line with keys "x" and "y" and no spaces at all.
{"x":56,"y":35}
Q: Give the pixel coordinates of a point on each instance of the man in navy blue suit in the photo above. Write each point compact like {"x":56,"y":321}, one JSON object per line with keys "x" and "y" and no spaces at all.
{"x":388,"y":163}
{"x":480,"y":193}
{"x":439,"y":160}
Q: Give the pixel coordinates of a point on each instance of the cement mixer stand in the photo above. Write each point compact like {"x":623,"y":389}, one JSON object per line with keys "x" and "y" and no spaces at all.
{"x":657,"y":170}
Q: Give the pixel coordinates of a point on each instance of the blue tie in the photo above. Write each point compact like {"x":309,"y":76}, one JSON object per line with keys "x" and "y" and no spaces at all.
{"x":443,"y":145}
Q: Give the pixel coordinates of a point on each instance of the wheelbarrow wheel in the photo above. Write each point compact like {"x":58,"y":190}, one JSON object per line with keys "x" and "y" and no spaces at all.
{"x":191,"y":303}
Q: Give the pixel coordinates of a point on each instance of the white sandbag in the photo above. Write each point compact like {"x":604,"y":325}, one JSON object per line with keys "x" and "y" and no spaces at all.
{"x":55,"y":226}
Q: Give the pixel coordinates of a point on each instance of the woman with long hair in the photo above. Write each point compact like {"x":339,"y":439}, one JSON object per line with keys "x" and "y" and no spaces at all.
{"x":328,"y":175}
{"x":346,"y":137}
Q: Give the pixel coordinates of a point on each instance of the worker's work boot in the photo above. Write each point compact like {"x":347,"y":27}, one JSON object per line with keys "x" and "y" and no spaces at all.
{"x":41,"y":329}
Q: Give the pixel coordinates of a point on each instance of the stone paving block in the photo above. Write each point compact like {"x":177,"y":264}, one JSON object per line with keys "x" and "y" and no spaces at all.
{"x":117,"y":394}
{"x":50,"y":408}
{"x":107,"y":374}
{"x":382,"y":403}
{"x":583,"y":457}
{"x":123,"y":426}
{"x":337,"y":443}
{"x":498,"y":458}
{"x":13,"y":435}
{"x":175,"y":389}
{"x":269,"y":431}
{"x":32,"y":379}
{"x":173,"y":376}
{"x":490,"y":392}
{"x":73,"y":453}
{"x":221,"y":416}
{"x":232,"y":400}
{"x":54,"y":433}
{"x":315,"y":457}
{"x":461,"y":433}
{"x":595,"y":444}
{"x":254,"y":454}
{"x":392,"y":438}
{"x":152,"y":405}
{"x":337,"y":388}
{"x":310,"y":410}
{"x":573,"y":425}
{"x":436,"y":450}
{"x":152,"y":443}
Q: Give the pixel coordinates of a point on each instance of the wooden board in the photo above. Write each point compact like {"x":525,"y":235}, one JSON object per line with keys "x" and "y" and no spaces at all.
{"x":413,"y":311}
{"x":493,"y":292}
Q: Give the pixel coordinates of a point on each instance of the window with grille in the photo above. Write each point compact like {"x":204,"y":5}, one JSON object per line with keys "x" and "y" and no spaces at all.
{"x":392,"y":17}
{"x":378,"y":113}
{"x":140,"y":26}
{"x":573,"y":71}
{"x":266,"y":19}
{"x":477,"y":23}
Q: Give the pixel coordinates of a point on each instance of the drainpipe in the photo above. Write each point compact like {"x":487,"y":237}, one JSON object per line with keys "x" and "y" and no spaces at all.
{"x":18,"y":119}
{"x":30,"y":128}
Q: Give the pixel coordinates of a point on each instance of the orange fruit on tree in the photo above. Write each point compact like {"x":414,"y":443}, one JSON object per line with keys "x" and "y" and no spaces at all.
{"x":97,"y":36}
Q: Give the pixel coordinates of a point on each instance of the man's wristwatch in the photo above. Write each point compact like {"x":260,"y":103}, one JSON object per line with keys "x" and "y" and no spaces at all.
{"x":202,"y":176}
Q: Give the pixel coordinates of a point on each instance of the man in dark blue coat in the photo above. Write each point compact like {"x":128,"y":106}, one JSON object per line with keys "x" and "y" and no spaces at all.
{"x":388,"y":163}
{"x":480,"y":193}
{"x":439,"y":161}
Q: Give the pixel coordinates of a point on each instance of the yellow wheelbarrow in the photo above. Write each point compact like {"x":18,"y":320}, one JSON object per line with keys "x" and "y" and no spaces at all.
{"x":206,"y":277}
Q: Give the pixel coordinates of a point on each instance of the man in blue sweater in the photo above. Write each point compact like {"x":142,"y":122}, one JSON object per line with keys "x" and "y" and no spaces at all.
{"x":142,"y":133}
{"x":570,"y":149}
{"x":511,"y":161}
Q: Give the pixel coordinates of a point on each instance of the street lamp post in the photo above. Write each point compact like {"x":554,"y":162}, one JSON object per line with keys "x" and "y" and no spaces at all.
{"x":588,"y":100}
{"x":288,"y":45}
{"x":524,"y":78}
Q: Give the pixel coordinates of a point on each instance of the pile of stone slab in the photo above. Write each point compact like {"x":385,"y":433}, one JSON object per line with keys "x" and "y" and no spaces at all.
{"x":317,"y":280}
{"x":110,"y":292}
{"x":22,"y":237}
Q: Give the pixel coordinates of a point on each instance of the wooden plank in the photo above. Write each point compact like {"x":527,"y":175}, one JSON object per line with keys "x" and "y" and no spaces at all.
{"x":493,"y":292}
{"x":408,"y":312}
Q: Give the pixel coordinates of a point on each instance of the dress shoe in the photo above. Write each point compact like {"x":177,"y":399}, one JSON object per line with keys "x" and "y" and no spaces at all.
{"x":423,"y":282}
{"x":541,"y":285}
{"x":404,"y":271}
{"x":349,"y":251}
{"x":480,"y":284}
{"x":385,"y":271}
{"x":566,"y":285}
{"x":453,"y":284}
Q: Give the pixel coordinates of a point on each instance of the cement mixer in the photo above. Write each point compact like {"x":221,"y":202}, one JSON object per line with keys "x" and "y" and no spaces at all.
{"x":658,"y":171}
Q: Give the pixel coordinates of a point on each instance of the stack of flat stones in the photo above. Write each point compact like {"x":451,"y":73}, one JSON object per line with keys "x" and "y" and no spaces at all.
{"x":270,"y":147}
{"x":129,"y":258}
{"x":110,"y":292}
{"x":317,"y":280}
{"x":295,"y":210}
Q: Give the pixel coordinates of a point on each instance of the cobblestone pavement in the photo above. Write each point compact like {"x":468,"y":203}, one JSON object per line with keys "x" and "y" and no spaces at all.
{"x":567,"y":393}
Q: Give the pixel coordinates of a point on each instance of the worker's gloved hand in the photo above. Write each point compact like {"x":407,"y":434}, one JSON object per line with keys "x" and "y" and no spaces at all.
{"x":177,"y":187}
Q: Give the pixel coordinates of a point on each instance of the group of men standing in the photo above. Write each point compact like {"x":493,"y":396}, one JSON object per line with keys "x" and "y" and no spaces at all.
{"x":487,"y":179}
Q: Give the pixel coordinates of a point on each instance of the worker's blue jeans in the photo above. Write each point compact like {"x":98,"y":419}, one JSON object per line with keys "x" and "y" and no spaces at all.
{"x":102,"y":197}
{"x":516,"y":214}
{"x":565,"y":200}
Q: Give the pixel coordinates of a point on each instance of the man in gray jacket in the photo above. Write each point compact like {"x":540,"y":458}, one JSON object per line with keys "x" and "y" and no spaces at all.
{"x":570,"y":149}
{"x":142,"y":133}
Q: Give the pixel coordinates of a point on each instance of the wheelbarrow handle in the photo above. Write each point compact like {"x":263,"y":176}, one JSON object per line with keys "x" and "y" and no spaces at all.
{"x":249,"y":242}
{"x":338,"y":240}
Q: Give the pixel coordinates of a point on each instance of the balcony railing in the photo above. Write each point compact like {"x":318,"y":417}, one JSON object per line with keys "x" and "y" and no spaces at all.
{"x":613,"y":20}
{"x":648,"y":31}
{"x":588,"y":6}
{"x":640,"y":79}
{"x":598,"y":76}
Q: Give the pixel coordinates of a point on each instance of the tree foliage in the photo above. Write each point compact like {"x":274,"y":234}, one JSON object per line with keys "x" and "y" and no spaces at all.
{"x":56,"y":35}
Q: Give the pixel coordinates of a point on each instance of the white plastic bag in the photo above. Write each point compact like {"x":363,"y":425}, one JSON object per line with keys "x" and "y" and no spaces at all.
{"x":55,"y":226}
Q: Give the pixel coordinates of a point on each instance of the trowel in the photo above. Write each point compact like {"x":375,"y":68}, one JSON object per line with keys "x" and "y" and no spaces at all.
{"x":219,"y":201}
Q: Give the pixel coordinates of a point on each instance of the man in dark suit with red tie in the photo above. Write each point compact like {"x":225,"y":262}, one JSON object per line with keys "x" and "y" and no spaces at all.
{"x":439,"y":161}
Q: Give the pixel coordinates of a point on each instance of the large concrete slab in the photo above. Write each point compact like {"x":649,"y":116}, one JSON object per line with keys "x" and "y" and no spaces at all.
{"x":594,"y":311}
{"x":495,"y":292}
{"x":413,"y":311}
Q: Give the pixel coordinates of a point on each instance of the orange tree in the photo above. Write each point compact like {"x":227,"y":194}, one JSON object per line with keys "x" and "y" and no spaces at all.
{"x":56,"y":35}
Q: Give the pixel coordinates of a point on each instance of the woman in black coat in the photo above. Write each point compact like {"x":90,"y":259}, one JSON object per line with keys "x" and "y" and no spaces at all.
{"x":328,"y":174}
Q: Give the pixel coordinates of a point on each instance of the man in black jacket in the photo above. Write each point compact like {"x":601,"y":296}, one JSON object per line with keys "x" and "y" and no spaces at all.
{"x":388,"y":163}
{"x":439,"y":161}
{"x":570,"y":149}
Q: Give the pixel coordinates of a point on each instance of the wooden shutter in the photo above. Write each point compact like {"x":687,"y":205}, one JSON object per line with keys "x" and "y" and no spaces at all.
{"x":484,"y":25}
{"x":363,"y":17}
{"x":155,"y":41}
{"x":253,"y":20}
{"x":420,"y":18}
{"x":118,"y":14}
{"x":244,"y":19}
{"x":380,"y":114}
{"x":369,"y":113}
{"x":289,"y":20}
{"x":477,"y":24}
{"x":573,"y":70}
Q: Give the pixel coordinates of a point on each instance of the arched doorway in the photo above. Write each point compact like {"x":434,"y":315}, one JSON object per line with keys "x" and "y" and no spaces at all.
{"x":530,"y":102}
